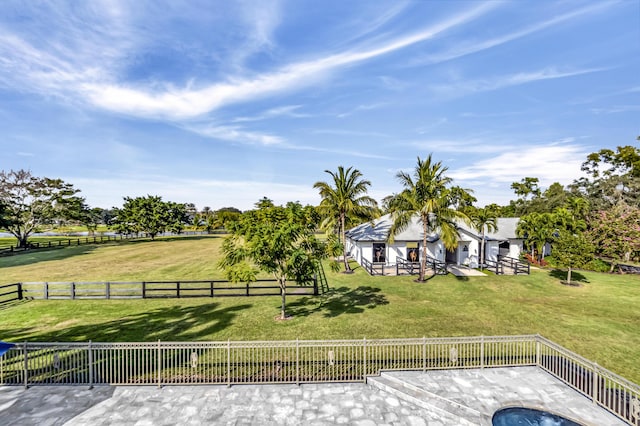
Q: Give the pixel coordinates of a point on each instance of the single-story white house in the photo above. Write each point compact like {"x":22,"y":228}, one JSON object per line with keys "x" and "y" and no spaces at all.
{"x":368,"y":242}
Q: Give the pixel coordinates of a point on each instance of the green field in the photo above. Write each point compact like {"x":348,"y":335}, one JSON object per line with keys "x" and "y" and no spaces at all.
{"x":599,"y":320}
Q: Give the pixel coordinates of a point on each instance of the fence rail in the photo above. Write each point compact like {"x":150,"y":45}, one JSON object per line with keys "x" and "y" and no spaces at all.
{"x":516,"y":265}
{"x":154,"y":289}
{"x":172,"y":363}
{"x":76,"y":241}
{"x":10,"y":293}
{"x":306,"y":361}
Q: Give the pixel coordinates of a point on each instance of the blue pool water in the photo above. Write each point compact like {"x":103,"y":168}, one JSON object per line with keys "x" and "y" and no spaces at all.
{"x":519,"y":416}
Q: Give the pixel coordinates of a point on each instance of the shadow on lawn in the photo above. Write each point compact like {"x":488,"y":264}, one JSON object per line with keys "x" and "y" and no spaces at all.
{"x":46,"y":254}
{"x":562,"y":275}
{"x":174,"y":323}
{"x":337,"y":301}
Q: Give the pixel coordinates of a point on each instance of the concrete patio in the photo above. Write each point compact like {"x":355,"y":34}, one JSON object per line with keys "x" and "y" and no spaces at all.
{"x":437,"y":398}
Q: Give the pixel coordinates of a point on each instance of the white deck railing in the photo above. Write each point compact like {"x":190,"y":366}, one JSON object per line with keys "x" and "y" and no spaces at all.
{"x":306,"y":361}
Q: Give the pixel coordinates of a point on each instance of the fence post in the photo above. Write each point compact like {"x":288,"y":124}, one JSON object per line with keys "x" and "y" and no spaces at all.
{"x":247,"y":288}
{"x":211,"y":288}
{"x":424,"y":354}
{"x":90,"y":366}
{"x":108,"y":290}
{"x":538,"y":350}
{"x":297,"y":362}
{"x":144,"y":289}
{"x":315,"y":284}
{"x":594,"y":384}
{"x":481,"y":352}
{"x":364,"y":376}
{"x":73,"y":290}
{"x":228,"y":363}
{"x":26,"y":365}
{"x":178,"y":289}
{"x":159,"y":364}
{"x":46,"y":290}
{"x":20,"y":294}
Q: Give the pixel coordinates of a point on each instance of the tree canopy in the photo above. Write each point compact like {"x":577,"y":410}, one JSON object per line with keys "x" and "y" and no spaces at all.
{"x":277,"y":240}
{"x":150,"y":215}
{"x":427,"y":193}
{"x":29,"y":202}
{"x":345,"y":203}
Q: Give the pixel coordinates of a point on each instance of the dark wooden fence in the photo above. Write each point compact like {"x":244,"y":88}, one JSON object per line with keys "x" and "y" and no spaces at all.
{"x":76,"y":241}
{"x":10,"y":293}
{"x":151,"y":289}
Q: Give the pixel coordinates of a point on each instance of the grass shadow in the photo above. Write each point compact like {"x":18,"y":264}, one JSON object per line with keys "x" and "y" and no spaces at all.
{"x":562,"y":275}
{"x":30,"y":257}
{"x":338,"y":301}
{"x":173,"y":323}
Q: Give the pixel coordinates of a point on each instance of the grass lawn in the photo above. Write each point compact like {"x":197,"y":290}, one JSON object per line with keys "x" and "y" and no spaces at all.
{"x":599,"y":320}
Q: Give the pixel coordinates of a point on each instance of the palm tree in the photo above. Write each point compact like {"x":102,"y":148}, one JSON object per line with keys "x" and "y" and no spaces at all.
{"x":429,"y":196}
{"x":484,"y":220}
{"x":345,"y":203}
{"x":537,"y":229}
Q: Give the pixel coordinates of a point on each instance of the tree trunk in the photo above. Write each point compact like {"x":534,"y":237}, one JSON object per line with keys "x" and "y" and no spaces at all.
{"x":569,"y":276}
{"x":482,"y":250}
{"x":423,"y":259}
{"x":343,"y":235}
{"x":283,"y":295}
{"x":22,"y":241}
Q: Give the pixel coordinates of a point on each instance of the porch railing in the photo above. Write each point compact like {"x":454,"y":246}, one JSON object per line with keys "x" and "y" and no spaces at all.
{"x":306,"y":361}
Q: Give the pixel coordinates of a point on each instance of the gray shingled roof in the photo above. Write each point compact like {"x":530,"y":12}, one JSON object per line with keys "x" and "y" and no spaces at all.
{"x":378,"y":230}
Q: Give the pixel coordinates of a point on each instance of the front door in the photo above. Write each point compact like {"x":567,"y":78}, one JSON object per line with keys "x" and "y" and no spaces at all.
{"x":452,"y":256}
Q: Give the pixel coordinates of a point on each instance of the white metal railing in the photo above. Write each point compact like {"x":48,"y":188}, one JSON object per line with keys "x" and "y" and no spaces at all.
{"x":306,"y":361}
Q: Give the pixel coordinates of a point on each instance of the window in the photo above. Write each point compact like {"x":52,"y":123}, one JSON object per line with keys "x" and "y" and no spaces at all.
{"x":379,"y":253}
{"x":413,"y":254}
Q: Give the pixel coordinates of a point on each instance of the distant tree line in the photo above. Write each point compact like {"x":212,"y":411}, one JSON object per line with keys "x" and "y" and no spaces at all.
{"x":597,"y":215}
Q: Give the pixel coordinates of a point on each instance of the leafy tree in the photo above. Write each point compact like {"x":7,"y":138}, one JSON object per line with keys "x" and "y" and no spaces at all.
{"x":484,"y":220}
{"x":91,"y":218}
{"x":537,"y":229}
{"x":177,"y":216}
{"x":150,"y":215}
{"x":226,"y":215}
{"x":616,"y":233}
{"x":264,"y":202}
{"x":572,"y":250}
{"x":428,"y":195}
{"x":345,"y":203}
{"x":274,"y":239}
{"x":614,"y":177}
{"x":31,"y":201}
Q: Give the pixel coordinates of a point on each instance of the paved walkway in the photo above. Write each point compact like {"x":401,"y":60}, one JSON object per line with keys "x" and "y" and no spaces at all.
{"x":463,"y":271}
{"x":479,"y":391}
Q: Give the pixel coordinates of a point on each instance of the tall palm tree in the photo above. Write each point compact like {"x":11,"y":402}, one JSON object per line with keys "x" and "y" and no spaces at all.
{"x":429,"y":196}
{"x":345,"y":203}
{"x":484,"y":220}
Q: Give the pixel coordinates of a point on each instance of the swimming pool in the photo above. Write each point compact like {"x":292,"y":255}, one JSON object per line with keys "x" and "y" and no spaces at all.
{"x":521,"y":416}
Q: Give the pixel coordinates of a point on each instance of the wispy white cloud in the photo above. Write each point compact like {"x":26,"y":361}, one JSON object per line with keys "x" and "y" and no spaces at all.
{"x":468,"y":47}
{"x":342,"y":152}
{"x":234,"y":134}
{"x":464,"y":87}
{"x":364,"y":107}
{"x":175,"y":103}
{"x":552,"y":162}
{"x":343,"y":132}
{"x":283,"y":111}
{"x":615,"y":109}
{"x":471,"y":145}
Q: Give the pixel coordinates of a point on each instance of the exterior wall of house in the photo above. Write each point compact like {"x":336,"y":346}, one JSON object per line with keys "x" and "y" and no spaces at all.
{"x":364,"y":250}
{"x":492,"y":249}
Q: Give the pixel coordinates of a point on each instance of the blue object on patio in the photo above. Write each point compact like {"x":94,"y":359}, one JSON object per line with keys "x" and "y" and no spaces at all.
{"x":4,"y":347}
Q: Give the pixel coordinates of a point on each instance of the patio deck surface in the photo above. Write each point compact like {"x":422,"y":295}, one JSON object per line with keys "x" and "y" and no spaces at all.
{"x":446,"y":397}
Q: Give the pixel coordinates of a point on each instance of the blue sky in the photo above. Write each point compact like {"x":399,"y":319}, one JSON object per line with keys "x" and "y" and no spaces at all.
{"x":220,"y":103}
